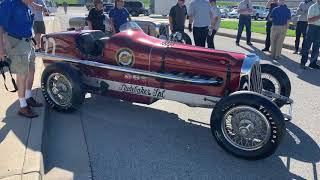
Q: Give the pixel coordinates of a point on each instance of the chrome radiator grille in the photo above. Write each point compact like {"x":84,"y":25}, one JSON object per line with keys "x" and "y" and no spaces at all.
{"x":254,"y":79}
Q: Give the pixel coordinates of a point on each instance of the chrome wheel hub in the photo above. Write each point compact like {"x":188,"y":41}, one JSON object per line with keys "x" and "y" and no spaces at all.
{"x":59,"y":89}
{"x":246,"y":128}
{"x":274,"y":81}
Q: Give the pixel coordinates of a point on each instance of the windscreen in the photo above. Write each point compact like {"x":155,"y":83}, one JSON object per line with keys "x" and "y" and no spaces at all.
{"x":129,"y":26}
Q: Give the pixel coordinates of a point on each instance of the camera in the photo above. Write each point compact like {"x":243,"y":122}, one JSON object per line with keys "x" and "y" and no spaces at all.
{"x":5,"y":63}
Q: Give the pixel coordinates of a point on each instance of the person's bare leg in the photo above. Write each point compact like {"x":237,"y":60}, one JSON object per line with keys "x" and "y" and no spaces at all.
{"x":29,"y":80}
{"x":37,"y":38}
{"x":21,"y":83}
{"x":28,"y":94}
{"x":25,"y":110}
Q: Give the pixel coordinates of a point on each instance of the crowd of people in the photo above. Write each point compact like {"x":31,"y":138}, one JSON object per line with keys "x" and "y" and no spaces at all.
{"x":117,"y":16}
{"x":205,"y":18}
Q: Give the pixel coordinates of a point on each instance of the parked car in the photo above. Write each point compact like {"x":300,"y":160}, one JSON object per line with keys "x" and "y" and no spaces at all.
{"x":136,"y":8}
{"x":259,"y":12}
{"x":162,"y":7}
{"x":51,"y":6}
{"x":89,"y":4}
{"x":245,"y":96}
{"x":224,"y":12}
{"x":233,"y":14}
{"x":107,"y":7}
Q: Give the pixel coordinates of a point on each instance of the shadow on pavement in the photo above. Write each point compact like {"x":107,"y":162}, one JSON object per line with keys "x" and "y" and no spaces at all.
{"x":305,"y":75}
{"x":128,"y":141}
{"x":14,"y":136}
{"x":15,"y":123}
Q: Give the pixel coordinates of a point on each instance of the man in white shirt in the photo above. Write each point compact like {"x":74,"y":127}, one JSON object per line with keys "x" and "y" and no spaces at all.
{"x":313,"y":37}
{"x":245,"y":10}
{"x":302,"y":23}
{"x":216,"y":19}
{"x":200,"y":17}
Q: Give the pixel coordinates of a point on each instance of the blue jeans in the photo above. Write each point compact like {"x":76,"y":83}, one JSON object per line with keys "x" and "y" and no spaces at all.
{"x":244,"y":20}
{"x":313,"y":38}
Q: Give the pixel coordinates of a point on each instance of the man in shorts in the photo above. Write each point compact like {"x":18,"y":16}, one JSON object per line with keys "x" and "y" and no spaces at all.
{"x":15,"y":42}
{"x":38,"y":25}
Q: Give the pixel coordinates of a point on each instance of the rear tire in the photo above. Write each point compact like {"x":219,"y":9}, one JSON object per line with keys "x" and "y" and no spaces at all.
{"x":62,"y":87}
{"x":247,"y":125}
{"x":275,"y":80}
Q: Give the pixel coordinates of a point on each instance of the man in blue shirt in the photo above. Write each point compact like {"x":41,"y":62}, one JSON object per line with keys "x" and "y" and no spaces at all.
{"x":15,"y":42}
{"x":119,"y":15}
{"x":280,"y":17}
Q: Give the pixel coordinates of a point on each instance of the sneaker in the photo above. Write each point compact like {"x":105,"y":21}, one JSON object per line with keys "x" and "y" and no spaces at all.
{"x":27,"y":112}
{"x":249,"y":43}
{"x":237,"y":43}
{"x":33,"y":103}
{"x":265,"y":49}
{"x":314,"y":66}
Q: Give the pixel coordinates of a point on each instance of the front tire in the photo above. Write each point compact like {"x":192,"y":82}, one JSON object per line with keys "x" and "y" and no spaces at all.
{"x":62,"y":87}
{"x":275,"y":80}
{"x":247,"y":125}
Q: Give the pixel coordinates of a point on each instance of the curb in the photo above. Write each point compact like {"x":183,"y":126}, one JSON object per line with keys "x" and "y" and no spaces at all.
{"x":286,"y":46}
{"x":33,"y":167}
{"x":256,"y":40}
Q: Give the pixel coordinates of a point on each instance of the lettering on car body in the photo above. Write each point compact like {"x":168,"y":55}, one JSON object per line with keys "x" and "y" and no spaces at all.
{"x":143,"y":91}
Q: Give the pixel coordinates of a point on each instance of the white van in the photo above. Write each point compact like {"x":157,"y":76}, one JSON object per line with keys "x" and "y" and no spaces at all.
{"x":163,"y":7}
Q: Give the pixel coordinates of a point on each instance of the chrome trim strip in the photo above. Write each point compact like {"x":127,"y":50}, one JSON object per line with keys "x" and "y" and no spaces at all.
{"x":190,"y":99}
{"x":210,"y":82}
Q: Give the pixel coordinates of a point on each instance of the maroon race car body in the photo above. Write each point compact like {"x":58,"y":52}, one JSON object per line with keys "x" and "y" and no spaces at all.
{"x":136,"y":67}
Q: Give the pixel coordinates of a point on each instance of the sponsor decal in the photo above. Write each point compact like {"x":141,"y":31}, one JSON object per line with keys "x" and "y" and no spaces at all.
{"x":125,"y":57}
{"x":134,"y":77}
{"x":143,"y":91}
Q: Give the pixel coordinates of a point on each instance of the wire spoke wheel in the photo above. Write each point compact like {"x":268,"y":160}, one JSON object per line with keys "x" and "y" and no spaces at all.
{"x":59,"y":89}
{"x":246,"y":128}
{"x":270,"y":83}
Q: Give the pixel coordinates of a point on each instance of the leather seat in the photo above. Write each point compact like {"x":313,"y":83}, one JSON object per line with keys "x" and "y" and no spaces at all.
{"x":89,"y":43}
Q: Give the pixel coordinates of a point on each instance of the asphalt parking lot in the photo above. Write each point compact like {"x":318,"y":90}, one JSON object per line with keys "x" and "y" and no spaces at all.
{"x":112,"y":139}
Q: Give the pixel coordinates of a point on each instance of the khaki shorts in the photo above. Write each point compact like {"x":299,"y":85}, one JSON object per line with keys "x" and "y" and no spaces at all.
{"x":21,"y":54}
{"x":39,"y":27}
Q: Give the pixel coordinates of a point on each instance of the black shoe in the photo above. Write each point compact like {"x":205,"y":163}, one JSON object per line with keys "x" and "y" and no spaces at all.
{"x":249,"y":43}
{"x":237,"y":43}
{"x":303,"y":66}
{"x":295,"y":52}
{"x":265,"y":49}
{"x":314,"y":66}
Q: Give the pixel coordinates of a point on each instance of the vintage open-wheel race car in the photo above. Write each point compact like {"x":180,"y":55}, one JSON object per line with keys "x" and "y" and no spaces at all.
{"x":245,"y":96}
